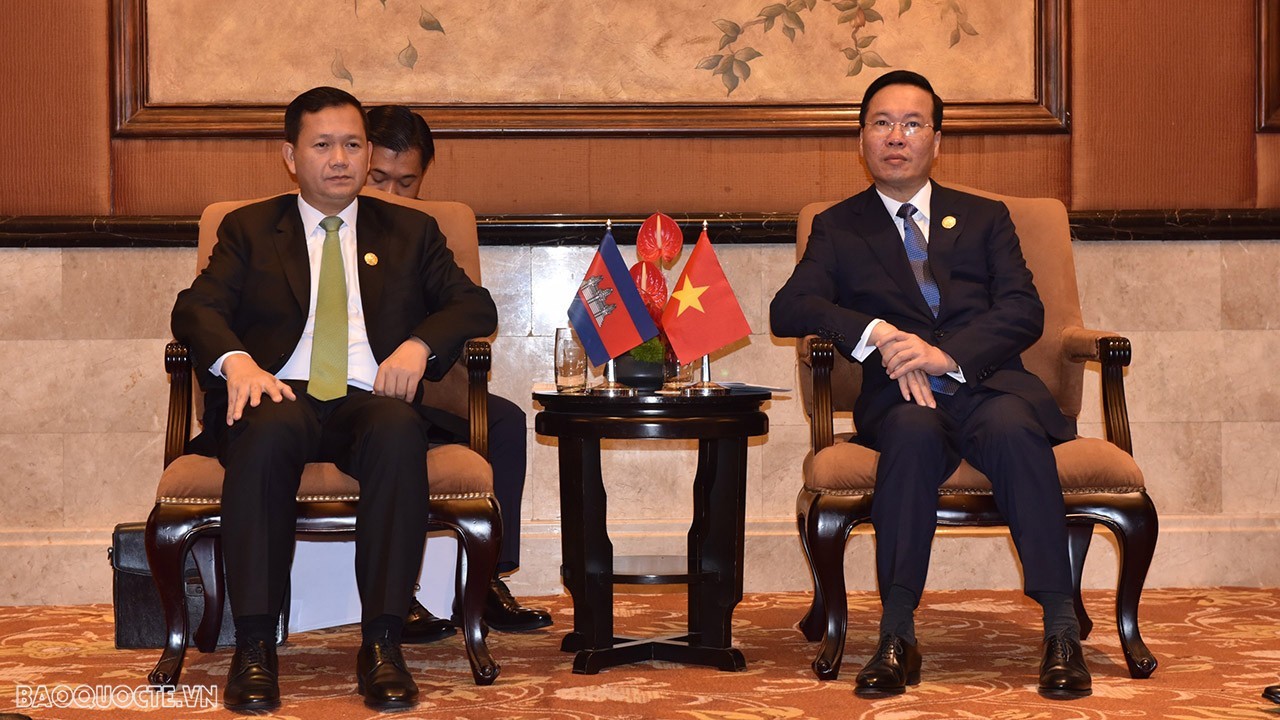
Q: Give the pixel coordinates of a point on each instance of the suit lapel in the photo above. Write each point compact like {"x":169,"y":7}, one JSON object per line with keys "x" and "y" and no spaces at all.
{"x":291,"y":244}
{"x":881,"y":235}
{"x":370,"y":252}
{"x":942,"y":239}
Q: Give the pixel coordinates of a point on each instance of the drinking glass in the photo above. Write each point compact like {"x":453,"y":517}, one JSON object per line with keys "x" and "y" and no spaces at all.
{"x":571,"y":363}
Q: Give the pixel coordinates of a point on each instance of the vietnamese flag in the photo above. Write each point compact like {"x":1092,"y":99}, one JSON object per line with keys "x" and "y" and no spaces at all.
{"x":608,"y":313}
{"x":702,"y":315}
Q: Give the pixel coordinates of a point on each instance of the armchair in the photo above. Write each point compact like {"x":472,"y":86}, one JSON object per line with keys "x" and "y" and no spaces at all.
{"x":186,"y":516}
{"x":1101,"y":483}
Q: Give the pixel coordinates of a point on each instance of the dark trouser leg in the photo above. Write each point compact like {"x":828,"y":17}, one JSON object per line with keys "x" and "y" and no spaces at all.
{"x":263,"y":454}
{"x":382,"y":443}
{"x":1005,"y":441}
{"x":916,"y":456}
{"x":508,"y":450}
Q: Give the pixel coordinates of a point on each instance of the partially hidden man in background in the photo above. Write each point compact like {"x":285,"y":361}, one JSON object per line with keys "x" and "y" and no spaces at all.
{"x":927,"y":288}
{"x":401,"y":151}
{"x":311,"y":329}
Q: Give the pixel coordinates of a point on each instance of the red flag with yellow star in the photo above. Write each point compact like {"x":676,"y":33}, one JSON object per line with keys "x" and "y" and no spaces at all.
{"x":702,"y":315}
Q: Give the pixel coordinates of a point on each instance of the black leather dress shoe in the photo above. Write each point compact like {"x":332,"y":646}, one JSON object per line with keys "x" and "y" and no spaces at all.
{"x":504,"y":613}
{"x":895,"y":665}
{"x":1063,"y":674}
{"x":253,"y":682}
{"x":422,"y":627}
{"x":1272,"y":693}
{"x":382,"y":678}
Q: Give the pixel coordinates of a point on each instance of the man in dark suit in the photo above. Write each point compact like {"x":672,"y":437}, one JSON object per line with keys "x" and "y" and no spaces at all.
{"x":927,"y":288}
{"x":311,"y":329}
{"x":401,"y":151}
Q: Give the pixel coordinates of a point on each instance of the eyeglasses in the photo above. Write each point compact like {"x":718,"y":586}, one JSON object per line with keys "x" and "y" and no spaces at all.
{"x":881,"y":128}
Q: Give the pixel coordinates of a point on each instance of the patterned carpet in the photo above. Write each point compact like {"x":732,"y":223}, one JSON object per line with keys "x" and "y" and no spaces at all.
{"x":1217,"y":650}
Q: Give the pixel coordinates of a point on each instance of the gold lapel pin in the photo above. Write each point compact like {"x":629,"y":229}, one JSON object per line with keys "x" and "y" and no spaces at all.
{"x":370,"y":259}
{"x":949,"y":222}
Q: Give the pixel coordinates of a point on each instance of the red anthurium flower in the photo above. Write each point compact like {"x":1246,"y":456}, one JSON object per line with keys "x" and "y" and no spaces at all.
{"x":659,"y":237}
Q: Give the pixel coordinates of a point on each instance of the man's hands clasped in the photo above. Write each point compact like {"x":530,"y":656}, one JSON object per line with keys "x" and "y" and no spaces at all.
{"x":910,"y":360}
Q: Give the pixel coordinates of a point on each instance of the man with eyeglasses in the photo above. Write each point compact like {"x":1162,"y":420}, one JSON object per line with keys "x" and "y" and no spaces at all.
{"x":927,"y":288}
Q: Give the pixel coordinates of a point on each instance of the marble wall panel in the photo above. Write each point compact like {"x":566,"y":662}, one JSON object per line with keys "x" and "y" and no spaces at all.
{"x":744,"y":267}
{"x":1150,"y":286}
{"x":505,"y":272}
{"x":1177,"y":376}
{"x":38,"y":388}
{"x":115,"y":386}
{"x":1250,"y":473}
{"x":55,"y":569}
{"x":518,"y":363}
{"x":648,"y":479}
{"x":1251,"y":294}
{"x":542,"y":486}
{"x":1250,"y":385}
{"x":124,"y":293}
{"x":782,"y":463}
{"x":1182,"y":465}
{"x":31,"y":293}
{"x":32,"y":468}
{"x":111,"y":477}
{"x":556,"y":274}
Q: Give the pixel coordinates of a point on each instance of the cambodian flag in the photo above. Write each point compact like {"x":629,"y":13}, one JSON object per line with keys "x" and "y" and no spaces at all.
{"x":608,"y":313}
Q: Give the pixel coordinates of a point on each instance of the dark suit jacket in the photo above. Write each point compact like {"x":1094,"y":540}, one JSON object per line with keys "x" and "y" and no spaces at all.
{"x":855,"y":269}
{"x":255,"y":293}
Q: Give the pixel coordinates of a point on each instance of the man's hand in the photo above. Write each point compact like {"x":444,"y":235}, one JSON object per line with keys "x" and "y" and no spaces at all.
{"x":400,"y":373}
{"x":901,"y":353}
{"x":247,"y":383}
{"x":915,"y":387}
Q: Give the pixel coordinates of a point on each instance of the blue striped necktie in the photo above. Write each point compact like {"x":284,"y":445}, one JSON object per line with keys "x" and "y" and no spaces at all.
{"x":918,"y":254}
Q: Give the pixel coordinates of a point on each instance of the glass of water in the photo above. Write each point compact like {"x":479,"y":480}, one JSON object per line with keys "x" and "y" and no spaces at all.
{"x":571,"y":362}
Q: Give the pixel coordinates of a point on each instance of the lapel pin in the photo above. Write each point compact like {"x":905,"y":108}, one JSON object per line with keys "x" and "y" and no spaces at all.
{"x":949,"y":222}
{"x":370,"y":259}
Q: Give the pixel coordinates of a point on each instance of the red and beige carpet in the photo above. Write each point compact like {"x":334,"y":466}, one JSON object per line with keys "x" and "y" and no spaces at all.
{"x":1217,"y":649}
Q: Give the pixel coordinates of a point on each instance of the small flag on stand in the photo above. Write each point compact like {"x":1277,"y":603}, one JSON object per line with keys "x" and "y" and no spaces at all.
{"x":702,"y":315}
{"x":608,"y":313}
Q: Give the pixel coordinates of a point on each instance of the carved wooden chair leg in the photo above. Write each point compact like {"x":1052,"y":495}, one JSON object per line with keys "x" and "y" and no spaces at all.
{"x":167,"y":540}
{"x":207,"y":552}
{"x":473,"y":520}
{"x":1136,"y":527}
{"x":1079,"y":533}
{"x":812,"y":625}
{"x":831,"y":519}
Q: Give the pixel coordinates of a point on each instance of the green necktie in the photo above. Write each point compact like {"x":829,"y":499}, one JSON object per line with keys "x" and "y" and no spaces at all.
{"x":329,"y":341}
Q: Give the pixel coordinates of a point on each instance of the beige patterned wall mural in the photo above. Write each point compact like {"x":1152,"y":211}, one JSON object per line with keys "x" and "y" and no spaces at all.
{"x":447,"y":52}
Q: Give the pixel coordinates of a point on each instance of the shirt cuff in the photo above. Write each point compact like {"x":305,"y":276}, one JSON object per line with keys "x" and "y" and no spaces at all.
{"x":864,"y":346}
{"x":216,"y":367}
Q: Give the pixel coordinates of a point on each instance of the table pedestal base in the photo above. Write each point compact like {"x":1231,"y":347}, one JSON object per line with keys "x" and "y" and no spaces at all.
{"x":673,"y":648}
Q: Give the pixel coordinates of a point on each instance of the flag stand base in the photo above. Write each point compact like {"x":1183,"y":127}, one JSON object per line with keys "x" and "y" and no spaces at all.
{"x":610,"y":388}
{"x":704,"y":389}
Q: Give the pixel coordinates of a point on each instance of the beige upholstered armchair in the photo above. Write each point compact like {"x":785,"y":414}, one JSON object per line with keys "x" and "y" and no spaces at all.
{"x":1101,"y":483}
{"x":186,"y":517}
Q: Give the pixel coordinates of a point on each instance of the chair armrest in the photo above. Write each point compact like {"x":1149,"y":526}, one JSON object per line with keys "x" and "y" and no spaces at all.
{"x":177,"y":363}
{"x":1114,"y":353}
{"x":478,"y":357}
{"x":819,"y":354}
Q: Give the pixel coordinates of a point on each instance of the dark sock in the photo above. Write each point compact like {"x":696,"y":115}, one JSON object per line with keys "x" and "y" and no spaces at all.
{"x":256,"y":628}
{"x":898,"y":616}
{"x":1059,"y":615}
{"x":383,"y":626}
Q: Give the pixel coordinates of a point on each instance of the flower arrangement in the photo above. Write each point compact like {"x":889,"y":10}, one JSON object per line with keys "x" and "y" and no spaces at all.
{"x":658,"y":245}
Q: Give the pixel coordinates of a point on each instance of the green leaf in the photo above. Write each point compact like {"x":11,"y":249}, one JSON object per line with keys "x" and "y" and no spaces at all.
{"x":903,"y":6}
{"x":855,"y":68}
{"x":866,"y":41}
{"x":408,"y":57}
{"x":850,"y":53}
{"x":790,"y":32}
{"x":429,"y":22}
{"x":873,"y":59}
{"x":709,"y":62}
{"x":793,"y":20}
{"x":847,"y":16}
{"x":873,"y":16}
{"x":728,"y":27}
{"x":772,"y":11}
{"x":747,"y":54}
{"x":730,"y":82}
{"x":955,"y":37}
{"x":741,"y":69}
{"x":339,"y":68}
{"x":845,"y":5}
{"x":965,"y":26}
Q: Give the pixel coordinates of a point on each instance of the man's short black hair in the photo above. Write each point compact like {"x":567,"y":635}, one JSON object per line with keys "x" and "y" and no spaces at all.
{"x":315,"y":100}
{"x":397,"y":128}
{"x":900,"y":77}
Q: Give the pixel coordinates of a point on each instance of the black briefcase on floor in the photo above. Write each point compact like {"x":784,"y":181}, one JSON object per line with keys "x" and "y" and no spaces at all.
{"x":138,"y":615}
